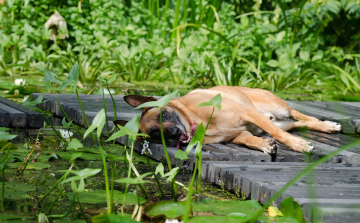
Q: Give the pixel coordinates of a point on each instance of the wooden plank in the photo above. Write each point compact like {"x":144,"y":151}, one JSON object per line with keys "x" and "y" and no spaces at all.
{"x":33,"y":119}
{"x":4,"y":118}
{"x":17,"y":118}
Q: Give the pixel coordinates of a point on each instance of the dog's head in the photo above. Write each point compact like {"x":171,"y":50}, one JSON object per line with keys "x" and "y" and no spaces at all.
{"x":176,"y":125}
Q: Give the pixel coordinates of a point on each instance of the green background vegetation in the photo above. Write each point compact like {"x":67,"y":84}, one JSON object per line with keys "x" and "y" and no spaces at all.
{"x":306,"y":47}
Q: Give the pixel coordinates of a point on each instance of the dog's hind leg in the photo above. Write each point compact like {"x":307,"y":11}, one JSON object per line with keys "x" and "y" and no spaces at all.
{"x":254,"y":142}
{"x":312,"y":123}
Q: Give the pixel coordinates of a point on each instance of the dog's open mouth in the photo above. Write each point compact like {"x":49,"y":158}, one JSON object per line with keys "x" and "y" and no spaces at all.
{"x":185,"y":138}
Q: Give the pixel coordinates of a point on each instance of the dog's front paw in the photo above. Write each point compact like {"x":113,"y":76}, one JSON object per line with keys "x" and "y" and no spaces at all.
{"x":270,"y":146}
{"x":301,"y":145}
{"x":332,"y":126}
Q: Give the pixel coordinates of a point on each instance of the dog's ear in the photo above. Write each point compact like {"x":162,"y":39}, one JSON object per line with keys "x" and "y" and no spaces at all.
{"x":120,"y":122}
{"x":136,"y":100}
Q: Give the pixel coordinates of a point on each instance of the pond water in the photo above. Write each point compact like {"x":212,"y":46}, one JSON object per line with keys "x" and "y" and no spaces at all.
{"x":25,"y":183}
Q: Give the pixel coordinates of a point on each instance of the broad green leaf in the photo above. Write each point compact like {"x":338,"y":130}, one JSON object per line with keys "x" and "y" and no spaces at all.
{"x":107,"y":81}
{"x":74,"y":156}
{"x":98,"y":123}
{"x":304,"y":55}
{"x":181,"y":155}
{"x":274,"y":211}
{"x":112,"y":218}
{"x":4,"y":136}
{"x":292,"y":209}
{"x":170,"y":175}
{"x":215,"y":101}
{"x":17,"y":191}
{"x":137,"y":180}
{"x":50,"y":78}
{"x":318,"y":56}
{"x":20,"y":217}
{"x":78,"y":188}
{"x":73,"y":77}
{"x":249,"y":208}
{"x":160,"y":169}
{"x":196,"y":140}
{"x":166,"y":209}
{"x":31,"y":166}
{"x":99,"y":197}
{"x":65,"y":124}
{"x":159,"y":103}
{"x":133,"y":124}
{"x":273,"y":63}
{"x":75,"y":144}
{"x":39,"y":100}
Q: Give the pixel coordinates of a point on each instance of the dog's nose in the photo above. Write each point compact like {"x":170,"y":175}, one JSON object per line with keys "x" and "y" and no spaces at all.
{"x":175,"y":131}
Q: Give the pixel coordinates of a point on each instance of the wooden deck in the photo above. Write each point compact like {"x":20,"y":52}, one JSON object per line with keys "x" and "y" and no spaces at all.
{"x":336,"y":184}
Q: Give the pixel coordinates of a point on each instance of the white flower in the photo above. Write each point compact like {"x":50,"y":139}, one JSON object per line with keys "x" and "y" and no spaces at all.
{"x":172,"y":221}
{"x":112,"y":91}
{"x":146,"y":148}
{"x":65,"y":133}
{"x":20,"y":82}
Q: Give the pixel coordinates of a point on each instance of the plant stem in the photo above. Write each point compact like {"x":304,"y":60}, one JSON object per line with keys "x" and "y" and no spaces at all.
{"x":163,"y":142}
{"x":108,"y":199}
{"x":83,"y":112}
{"x":156,"y":178}
{"x":106,"y":118}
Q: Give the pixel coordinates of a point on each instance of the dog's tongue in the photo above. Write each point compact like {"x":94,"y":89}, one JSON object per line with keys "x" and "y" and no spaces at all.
{"x":184,"y":139}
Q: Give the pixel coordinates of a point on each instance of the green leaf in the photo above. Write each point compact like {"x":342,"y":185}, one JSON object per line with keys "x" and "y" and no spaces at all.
{"x":160,"y":169}
{"x":73,"y":77}
{"x":137,"y":180}
{"x":304,"y":55}
{"x":292,"y":209}
{"x":4,"y":136}
{"x":170,"y":175}
{"x":181,"y":155}
{"x":65,"y":124}
{"x":166,"y":209}
{"x":274,"y":211}
{"x":75,"y":144}
{"x":99,"y":197}
{"x":81,"y":174}
{"x":112,"y":218}
{"x":215,"y":101}
{"x":196,"y":140}
{"x":107,"y":81}
{"x":98,"y":123}
{"x":31,"y":166}
{"x":318,"y":56}
{"x":50,"y":78}
{"x":273,"y":63}
{"x":39,"y":100}
{"x":159,"y":103}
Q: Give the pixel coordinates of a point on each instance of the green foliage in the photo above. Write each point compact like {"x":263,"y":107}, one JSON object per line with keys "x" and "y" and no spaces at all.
{"x":269,"y":44}
{"x":165,"y":209}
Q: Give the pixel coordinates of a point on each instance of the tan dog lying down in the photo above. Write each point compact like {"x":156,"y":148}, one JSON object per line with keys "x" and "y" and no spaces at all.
{"x":245,"y":113}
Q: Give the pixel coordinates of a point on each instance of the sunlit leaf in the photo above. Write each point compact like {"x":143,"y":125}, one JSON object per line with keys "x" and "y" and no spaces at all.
{"x":171,"y":174}
{"x":160,"y":169}
{"x":137,"y":180}
{"x":181,"y":155}
{"x":98,"y":123}
{"x":38,"y":100}
{"x":75,"y":144}
{"x":215,"y":101}
{"x":274,"y":211}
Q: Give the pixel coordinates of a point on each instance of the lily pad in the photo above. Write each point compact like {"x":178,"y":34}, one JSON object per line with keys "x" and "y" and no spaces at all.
{"x":99,"y":197}
{"x":31,"y":166}
{"x":5,"y":216}
{"x":112,"y":218}
{"x":167,"y":209}
{"x":244,"y":208}
{"x":16,"y":191}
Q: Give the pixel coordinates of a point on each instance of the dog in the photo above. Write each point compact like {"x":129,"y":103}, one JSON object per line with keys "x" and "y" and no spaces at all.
{"x":245,"y":113}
